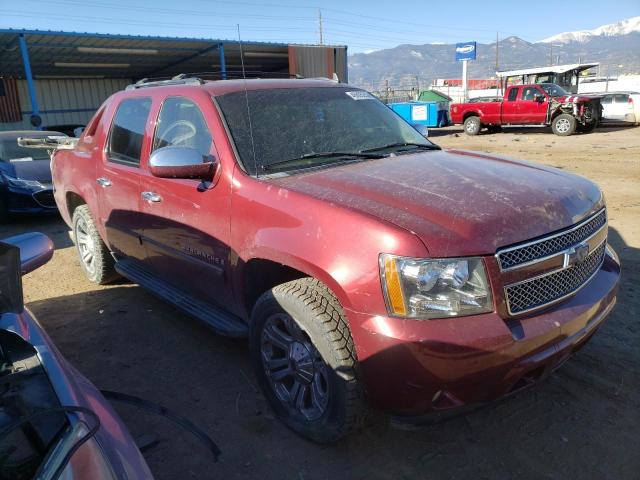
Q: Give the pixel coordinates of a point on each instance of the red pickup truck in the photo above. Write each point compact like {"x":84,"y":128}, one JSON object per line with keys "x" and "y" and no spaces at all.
{"x":361,"y":260}
{"x":544,"y":104}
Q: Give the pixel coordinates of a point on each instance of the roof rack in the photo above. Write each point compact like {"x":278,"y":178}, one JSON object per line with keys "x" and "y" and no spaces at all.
{"x":197,"y":78}
{"x":182,"y":79}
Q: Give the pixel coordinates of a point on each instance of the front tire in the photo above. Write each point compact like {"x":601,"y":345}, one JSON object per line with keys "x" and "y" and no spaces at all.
{"x":304,"y":358}
{"x":96,"y":261}
{"x":472,"y":125}
{"x":564,"y":125}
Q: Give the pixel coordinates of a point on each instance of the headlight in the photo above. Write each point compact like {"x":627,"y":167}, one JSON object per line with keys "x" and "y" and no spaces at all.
{"x":19,"y":183}
{"x":434,"y":288}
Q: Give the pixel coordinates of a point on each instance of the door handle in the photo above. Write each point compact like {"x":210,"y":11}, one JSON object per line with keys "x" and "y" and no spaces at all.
{"x":151,"y":197}
{"x":103,"y":182}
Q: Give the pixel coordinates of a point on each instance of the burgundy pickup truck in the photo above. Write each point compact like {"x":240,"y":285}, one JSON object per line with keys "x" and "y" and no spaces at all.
{"x":361,"y":260}
{"x":543,"y":104}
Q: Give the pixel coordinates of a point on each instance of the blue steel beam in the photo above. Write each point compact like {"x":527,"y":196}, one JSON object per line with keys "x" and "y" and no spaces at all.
{"x":182,"y":60}
{"x":223,"y":65}
{"x":27,"y":72}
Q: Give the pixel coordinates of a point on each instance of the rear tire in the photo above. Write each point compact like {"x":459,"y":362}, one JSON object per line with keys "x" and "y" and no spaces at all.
{"x":304,"y":359}
{"x":472,"y":125}
{"x":95,"y":259}
{"x":564,"y":125}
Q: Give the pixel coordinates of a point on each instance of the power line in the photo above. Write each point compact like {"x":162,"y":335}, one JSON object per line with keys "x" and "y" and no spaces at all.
{"x":173,"y":11}
{"x":114,"y":21}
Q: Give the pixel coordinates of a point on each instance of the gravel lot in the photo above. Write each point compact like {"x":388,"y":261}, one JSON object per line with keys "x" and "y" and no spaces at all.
{"x":580,"y":423}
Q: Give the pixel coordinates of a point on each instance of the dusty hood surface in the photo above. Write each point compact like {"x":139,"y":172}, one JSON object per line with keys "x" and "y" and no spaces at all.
{"x":458,"y":203}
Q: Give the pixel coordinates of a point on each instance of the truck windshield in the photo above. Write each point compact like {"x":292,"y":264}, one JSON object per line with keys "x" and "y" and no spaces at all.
{"x":310,"y":123}
{"x":554,"y":90}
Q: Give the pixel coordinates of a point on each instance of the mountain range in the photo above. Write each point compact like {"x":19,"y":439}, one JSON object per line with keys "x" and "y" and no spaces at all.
{"x":616,"y":47}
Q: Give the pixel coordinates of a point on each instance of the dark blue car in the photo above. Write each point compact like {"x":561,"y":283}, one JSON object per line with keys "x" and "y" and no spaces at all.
{"x":25,"y":177}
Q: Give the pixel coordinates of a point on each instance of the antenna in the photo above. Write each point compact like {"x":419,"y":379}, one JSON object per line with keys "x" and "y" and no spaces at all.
{"x":246,"y":97}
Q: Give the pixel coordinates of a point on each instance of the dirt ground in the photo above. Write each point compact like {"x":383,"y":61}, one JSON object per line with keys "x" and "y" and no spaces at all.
{"x":580,"y":423}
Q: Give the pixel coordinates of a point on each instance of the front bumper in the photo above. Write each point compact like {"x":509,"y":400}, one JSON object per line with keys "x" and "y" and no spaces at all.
{"x":413,"y":368}
{"x":29,"y":201}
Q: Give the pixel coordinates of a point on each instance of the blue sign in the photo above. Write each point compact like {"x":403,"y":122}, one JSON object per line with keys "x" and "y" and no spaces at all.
{"x":465,"y":51}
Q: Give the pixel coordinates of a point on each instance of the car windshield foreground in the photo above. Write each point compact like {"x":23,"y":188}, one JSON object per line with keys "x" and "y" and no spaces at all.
{"x":300,"y":127}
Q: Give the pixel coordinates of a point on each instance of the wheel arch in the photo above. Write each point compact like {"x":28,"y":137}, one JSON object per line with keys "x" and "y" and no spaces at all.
{"x":471,"y":113}
{"x":73,"y":200}
{"x":261,"y":273}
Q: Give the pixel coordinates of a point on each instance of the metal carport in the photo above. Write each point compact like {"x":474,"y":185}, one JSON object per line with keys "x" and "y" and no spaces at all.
{"x":55,"y":72}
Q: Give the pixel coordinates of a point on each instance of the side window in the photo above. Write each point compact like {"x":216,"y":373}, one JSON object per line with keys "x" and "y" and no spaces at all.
{"x":181,"y":124}
{"x":621,"y":98}
{"x":607,"y":99}
{"x":90,"y":131}
{"x":127,"y":131}
{"x":528,"y":93}
{"x":513,"y":94}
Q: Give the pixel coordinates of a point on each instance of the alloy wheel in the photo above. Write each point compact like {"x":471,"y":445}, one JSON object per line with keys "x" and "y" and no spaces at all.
{"x":563,"y":125}
{"x":294,"y":368}
{"x":86,"y":245}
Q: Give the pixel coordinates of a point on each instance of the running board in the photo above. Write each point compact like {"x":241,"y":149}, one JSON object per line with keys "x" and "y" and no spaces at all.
{"x":215,"y":317}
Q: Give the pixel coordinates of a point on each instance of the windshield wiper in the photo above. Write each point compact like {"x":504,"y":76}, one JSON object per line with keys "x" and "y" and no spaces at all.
{"x":307,"y":156}
{"x":402,"y":144}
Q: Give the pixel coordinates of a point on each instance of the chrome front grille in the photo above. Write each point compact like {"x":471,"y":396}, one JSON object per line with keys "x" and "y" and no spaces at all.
{"x":539,"y":291}
{"x":512,"y":257}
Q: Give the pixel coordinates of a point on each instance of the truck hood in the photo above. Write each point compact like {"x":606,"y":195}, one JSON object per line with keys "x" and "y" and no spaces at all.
{"x":457,"y":202}
{"x":571,"y":98}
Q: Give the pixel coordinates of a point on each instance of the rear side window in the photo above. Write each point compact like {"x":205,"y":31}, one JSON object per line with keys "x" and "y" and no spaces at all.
{"x":621,"y":98}
{"x":127,"y":131}
{"x":182,"y":124}
{"x":93,"y":126}
{"x":513,"y":94}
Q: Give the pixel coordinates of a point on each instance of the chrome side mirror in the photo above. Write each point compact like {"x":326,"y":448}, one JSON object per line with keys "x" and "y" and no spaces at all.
{"x":181,"y":162}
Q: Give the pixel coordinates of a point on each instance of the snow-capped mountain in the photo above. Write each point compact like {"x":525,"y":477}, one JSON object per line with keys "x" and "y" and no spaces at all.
{"x":622,"y":27}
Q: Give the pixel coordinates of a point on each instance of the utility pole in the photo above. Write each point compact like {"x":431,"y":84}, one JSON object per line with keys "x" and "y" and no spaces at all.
{"x":320,"y":24}
{"x":496,"y":51}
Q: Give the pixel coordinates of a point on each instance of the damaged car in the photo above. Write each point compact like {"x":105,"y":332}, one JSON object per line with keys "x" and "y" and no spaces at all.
{"x":54,"y":424}
{"x":542,"y":105}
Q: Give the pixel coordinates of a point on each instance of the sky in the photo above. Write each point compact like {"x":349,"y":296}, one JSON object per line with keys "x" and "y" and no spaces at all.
{"x":361,"y":25}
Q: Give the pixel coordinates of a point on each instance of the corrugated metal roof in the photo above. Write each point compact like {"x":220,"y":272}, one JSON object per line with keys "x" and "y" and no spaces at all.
{"x":548,"y":69}
{"x":57,"y":53}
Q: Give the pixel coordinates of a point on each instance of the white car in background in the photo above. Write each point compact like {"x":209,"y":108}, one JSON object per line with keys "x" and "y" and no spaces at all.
{"x":621,"y":107}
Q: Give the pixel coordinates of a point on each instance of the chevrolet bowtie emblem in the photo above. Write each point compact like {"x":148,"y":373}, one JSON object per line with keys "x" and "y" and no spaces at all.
{"x":576,"y":255}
